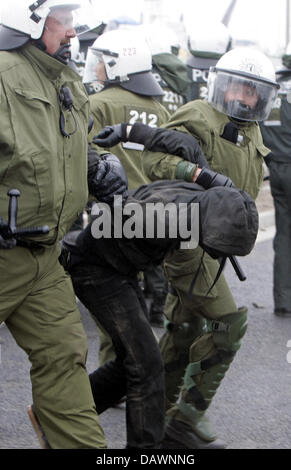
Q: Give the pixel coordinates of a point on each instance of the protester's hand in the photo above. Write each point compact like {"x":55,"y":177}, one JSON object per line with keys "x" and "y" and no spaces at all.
{"x":111,"y":135}
{"x":111,"y":179}
{"x":208,"y":179}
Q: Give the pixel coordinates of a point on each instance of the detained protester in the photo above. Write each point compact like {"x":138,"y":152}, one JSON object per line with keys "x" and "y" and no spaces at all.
{"x":241,"y":91}
{"x":44,"y":126}
{"x":104,"y":260}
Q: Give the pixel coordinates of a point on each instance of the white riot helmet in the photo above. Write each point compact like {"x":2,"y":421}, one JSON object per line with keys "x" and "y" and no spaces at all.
{"x":207,"y":42}
{"x":22,"y":20}
{"x":124,"y":58}
{"x":160,"y":38}
{"x":243,"y":85}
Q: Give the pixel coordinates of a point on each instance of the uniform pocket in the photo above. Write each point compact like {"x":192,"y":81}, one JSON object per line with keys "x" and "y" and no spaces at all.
{"x":44,"y":185}
{"x":32,"y":96}
{"x":35,"y":121}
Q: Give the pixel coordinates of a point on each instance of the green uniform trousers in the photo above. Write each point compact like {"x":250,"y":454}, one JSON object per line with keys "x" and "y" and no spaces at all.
{"x":280,"y":178}
{"x":190,"y":315}
{"x":39,"y":308}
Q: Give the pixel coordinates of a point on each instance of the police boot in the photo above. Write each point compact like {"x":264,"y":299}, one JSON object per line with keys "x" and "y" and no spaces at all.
{"x":211,"y":355}
{"x":37,"y":427}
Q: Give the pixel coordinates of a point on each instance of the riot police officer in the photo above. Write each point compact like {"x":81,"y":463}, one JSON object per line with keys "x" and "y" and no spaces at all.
{"x":241,"y":91}
{"x":44,"y":125}
{"x":119,"y":65}
{"x":171,"y":74}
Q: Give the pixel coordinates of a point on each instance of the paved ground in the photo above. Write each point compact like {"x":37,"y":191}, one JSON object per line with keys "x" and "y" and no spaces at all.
{"x":252,"y":408}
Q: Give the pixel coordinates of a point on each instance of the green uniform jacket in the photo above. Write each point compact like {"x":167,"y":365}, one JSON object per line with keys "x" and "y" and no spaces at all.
{"x":243,"y":164}
{"x":50,"y":170}
{"x":170,"y":99}
{"x":171,"y":74}
{"x":114,"y":105}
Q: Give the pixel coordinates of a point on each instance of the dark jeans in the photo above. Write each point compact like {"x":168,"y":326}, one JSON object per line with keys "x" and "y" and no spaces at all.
{"x":137,"y":371}
{"x":280,"y":179}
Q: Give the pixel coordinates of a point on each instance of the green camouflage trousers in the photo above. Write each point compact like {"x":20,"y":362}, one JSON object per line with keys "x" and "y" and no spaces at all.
{"x":203,"y":333}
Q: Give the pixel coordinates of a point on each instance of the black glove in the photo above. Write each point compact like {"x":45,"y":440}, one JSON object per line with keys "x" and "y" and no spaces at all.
{"x":208,"y":179}
{"x":110,"y":179}
{"x":6,"y":244}
{"x":111,"y":135}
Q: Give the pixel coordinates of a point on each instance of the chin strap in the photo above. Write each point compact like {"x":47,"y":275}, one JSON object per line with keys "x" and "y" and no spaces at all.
{"x":63,"y":54}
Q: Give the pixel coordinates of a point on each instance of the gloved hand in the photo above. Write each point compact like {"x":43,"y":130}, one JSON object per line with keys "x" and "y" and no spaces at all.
{"x":110,"y":179}
{"x":111,"y":135}
{"x":208,"y":179}
{"x":6,"y":244}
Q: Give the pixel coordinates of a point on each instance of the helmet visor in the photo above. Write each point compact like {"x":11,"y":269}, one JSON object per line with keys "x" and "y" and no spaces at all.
{"x":95,"y":71}
{"x":241,"y":97}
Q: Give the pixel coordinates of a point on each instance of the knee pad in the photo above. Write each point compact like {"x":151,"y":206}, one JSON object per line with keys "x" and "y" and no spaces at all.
{"x":233,"y":328}
{"x":211,"y":355}
{"x":222,"y":340}
{"x":175,"y":343}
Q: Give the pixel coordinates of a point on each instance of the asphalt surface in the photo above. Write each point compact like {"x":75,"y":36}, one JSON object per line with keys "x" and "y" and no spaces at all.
{"x":252,"y":408}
